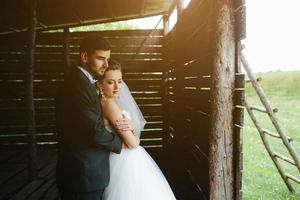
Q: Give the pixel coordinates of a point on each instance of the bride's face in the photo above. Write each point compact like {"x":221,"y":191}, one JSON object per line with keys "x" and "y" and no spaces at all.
{"x":111,"y":83}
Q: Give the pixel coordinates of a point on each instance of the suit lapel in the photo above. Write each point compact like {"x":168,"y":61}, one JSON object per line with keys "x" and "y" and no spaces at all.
{"x":89,"y":86}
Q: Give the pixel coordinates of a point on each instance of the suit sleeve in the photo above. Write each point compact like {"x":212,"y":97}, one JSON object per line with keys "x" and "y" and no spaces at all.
{"x":90,"y":121}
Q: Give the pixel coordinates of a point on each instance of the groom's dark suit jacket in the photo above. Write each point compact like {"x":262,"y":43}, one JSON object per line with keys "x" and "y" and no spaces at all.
{"x":84,"y":143}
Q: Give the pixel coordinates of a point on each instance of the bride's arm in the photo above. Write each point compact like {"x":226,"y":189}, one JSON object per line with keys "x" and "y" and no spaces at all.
{"x":112,"y":112}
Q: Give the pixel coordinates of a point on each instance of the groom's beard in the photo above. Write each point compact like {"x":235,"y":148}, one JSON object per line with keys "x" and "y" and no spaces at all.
{"x":98,"y":77}
{"x":95,"y":73}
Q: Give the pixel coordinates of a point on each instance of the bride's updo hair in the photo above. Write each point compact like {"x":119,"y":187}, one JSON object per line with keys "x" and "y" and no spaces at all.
{"x":113,"y":65}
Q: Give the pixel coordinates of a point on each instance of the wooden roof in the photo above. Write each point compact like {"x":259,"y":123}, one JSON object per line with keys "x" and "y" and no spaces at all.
{"x":65,"y":13}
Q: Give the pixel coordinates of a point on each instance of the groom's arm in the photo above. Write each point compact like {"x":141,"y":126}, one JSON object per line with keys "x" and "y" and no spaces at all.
{"x":113,"y":113}
{"x":91,"y":123}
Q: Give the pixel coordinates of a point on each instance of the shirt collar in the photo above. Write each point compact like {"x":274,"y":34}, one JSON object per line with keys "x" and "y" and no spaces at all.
{"x":87,"y":74}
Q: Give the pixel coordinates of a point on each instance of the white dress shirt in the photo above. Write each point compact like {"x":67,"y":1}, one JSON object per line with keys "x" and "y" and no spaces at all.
{"x":87,"y":74}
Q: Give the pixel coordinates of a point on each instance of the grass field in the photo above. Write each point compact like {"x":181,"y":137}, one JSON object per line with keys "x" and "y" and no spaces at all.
{"x":261,"y":179}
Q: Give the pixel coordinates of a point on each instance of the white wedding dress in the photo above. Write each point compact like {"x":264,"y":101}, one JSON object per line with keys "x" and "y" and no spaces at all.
{"x":134,"y":175}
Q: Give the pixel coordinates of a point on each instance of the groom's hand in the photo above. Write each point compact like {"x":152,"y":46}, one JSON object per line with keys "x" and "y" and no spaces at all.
{"x":124,"y":146}
{"x":123,"y":125}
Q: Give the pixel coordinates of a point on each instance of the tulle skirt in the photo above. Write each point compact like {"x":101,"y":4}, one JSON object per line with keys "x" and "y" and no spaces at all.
{"x":134,"y":175}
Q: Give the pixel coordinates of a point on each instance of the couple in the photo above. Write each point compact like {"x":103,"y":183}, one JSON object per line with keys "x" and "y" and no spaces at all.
{"x":99,"y":156}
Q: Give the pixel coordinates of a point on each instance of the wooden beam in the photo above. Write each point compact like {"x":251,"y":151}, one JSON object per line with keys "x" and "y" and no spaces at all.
{"x":32,"y":164}
{"x":67,"y":61}
{"x":110,"y":9}
{"x":90,"y":22}
{"x":42,"y":24}
{"x":172,"y":8}
{"x":77,"y":17}
{"x":75,"y":13}
{"x":14,"y":29}
{"x":180,"y":7}
{"x":166,"y":24}
{"x":142,"y":8}
{"x":221,"y":175}
{"x":145,"y":39}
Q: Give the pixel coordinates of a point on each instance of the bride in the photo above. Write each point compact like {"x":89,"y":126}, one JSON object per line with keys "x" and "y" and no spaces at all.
{"x":134,"y":175}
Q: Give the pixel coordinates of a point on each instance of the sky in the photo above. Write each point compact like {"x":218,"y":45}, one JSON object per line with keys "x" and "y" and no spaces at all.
{"x":273,"y":34}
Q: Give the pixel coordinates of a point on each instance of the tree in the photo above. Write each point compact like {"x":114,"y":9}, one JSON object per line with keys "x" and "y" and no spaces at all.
{"x":122,"y":25}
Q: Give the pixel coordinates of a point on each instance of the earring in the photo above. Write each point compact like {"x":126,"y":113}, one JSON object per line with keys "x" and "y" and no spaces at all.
{"x":102,"y":94}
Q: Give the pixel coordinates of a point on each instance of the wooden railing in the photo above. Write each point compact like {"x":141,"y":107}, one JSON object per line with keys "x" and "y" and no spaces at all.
{"x":142,"y":72}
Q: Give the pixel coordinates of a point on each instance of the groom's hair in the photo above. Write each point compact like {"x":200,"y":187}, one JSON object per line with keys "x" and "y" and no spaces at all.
{"x":93,"y":43}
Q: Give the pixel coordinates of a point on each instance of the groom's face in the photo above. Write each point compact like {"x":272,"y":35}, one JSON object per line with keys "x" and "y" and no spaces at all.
{"x":97,"y":62}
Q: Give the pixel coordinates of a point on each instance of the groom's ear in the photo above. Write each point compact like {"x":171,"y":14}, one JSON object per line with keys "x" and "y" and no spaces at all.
{"x":84,"y":57}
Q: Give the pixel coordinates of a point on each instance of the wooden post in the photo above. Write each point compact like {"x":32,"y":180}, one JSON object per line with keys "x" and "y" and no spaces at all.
{"x":166,"y":24}
{"x":32,"y":164}
{"x":221,"y":176}
{"x":66,"y":44}
{"x":180,"y":7}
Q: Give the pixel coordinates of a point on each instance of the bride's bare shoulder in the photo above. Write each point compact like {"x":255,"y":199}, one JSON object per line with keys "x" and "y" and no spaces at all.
{"x":110,"y":108}
{"x":108,"y":102}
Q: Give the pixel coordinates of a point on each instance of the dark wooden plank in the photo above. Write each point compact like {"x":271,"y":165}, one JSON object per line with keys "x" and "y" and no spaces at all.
{"x":58,"y":66}
{"x":151,"y":110}
{"x":54,"y":36}
{"x":39,"y":194}
{"x":10,"y":102}
{"x":141,"y":74}
{"x":27,"y":190}
{"x":13,"y":185}
{"x":150,"y":133}
{"x":75,"y":55}
{"x":157,"y":100}
{"x":17,"y":122}
{"x":155,"y":118}
{"x":196,"y":81}
{"x":7,"y":154}
{"x":154,"y":125}
{"x":75,"y":49}
{"x":8,"y":171}
{"x":200,"y":66}
{"x":146,"y":94}
{"x":16,"y":186}
{"x":52,"y":193}
{"x":22,"y":138}
{"x":49,"y":169}
{"x":119,"y":41}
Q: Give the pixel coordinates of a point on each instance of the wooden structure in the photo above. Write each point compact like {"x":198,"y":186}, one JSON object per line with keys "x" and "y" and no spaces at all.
{"x":186,"y":81}
{"x":264,"y":133}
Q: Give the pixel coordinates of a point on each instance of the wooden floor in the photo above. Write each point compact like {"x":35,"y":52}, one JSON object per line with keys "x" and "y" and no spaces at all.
{"x":14,"y":184}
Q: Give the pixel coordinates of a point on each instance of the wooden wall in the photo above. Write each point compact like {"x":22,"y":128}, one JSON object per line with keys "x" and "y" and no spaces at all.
{"x":189,"y":52}
{"x":188,"y":48}
{"x":171,"y":79}
{"x":141,"y":72}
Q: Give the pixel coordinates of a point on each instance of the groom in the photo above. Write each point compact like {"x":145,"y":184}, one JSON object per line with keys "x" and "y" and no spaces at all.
{"x":83,"y":142}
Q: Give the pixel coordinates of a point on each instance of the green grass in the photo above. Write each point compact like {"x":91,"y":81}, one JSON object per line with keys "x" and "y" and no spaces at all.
{"x":261,"y":179}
